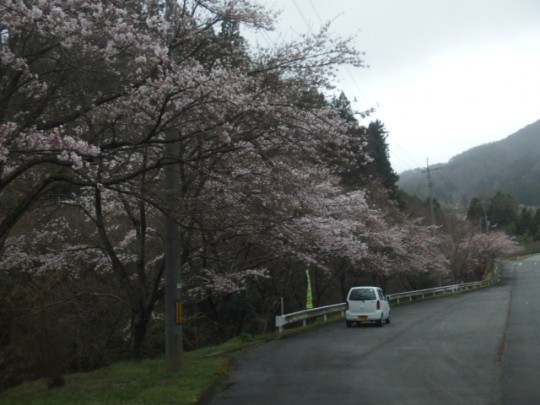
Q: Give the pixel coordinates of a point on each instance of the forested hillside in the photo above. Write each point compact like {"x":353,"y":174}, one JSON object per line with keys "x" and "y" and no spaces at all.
{"x":511,"y":165}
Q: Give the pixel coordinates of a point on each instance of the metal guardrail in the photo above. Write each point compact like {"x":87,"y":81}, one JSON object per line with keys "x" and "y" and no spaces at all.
{"x":398,"y":298}
{"x":432,"y":292}
{"x":282,"y":320}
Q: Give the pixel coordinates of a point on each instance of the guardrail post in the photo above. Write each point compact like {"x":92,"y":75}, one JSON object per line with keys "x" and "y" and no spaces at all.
{"x":280,"y":321}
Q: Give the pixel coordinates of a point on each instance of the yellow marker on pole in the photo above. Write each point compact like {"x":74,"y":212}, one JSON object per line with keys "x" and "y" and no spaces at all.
{"x":309,"y":295}
{"x":179,"y":313}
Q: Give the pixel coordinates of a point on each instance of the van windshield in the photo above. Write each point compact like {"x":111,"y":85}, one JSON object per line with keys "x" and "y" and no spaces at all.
{"x":363,"y":294}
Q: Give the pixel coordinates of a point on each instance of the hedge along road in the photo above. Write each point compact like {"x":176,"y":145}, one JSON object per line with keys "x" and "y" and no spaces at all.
{"x":480,"y":347}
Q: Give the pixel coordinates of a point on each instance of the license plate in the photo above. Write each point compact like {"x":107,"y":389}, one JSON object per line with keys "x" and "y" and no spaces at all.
{"x":363,"y":318}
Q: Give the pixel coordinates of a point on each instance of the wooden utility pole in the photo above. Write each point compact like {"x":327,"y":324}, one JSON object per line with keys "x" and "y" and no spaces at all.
{"x":173,"y":265}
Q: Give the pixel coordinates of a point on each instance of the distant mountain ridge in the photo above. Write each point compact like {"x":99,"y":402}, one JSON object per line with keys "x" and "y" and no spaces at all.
{"x":511,"y":165}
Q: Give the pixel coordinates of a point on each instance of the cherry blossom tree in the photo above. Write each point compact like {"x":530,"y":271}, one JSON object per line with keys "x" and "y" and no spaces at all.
{"x":486,"y":248}
{"x":472,"y":253}
{"x":88,"y":92}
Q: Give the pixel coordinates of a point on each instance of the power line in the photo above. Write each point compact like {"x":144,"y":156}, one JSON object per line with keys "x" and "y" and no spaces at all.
{"x":301,"y":15}
{"x":447,"y":182}
{"x":315,"y":11}
{"x":411,"y":164}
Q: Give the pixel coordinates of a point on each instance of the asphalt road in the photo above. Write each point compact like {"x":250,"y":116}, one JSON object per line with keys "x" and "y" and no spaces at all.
{"x":480,"y":347}
{"x":521,"y":361}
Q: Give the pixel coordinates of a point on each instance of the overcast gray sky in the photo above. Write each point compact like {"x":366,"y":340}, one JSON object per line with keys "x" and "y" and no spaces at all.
{"x":444,"y":75}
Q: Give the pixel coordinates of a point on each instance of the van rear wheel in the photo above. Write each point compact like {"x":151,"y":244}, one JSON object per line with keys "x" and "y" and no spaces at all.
{"x":348,"y":323}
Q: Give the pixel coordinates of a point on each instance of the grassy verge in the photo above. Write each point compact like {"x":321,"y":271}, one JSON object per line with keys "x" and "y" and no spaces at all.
{"x":144,"y":382}
{"x":147,"y":381}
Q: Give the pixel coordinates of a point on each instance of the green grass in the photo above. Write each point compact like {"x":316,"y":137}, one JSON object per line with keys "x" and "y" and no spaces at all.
{"x":144,"y":382}
{"x":147,"y":381}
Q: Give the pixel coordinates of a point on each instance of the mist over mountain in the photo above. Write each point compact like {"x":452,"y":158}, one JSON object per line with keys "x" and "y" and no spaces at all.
{"x":511,"y":165}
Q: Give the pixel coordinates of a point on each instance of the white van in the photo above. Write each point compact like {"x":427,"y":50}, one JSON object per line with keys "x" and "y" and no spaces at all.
{"x":367,"y":304}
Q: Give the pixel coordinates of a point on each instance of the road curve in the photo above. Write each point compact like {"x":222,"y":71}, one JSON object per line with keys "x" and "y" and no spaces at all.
{"x":476,"y":348}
